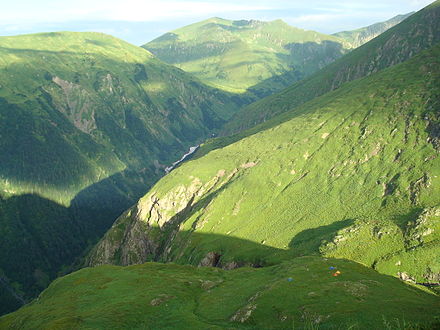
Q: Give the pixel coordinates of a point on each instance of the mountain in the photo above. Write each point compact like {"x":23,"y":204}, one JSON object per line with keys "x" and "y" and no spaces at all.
{"x":301,"y":294}
{"x":361,"y":36}
{"x":239,"y":56}
{"x":87,"y":123}
{"x":352,"y":174}
{"x":416,"y":33}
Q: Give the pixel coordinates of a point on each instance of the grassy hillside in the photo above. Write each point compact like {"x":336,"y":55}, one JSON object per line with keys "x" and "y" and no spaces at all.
{"x":396,"y":45}
{"x":361,"y":36}
{"x":353,"y":174}
{"x":238,"y":56}
{"x":299,"y":294}
{"x":87,"y":123}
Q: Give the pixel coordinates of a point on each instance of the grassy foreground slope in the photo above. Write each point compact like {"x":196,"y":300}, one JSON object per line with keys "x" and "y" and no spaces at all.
{"x":354,"y":174}
{"x":87,"y":123}
{"x":299,"y":294}
{"x":416,"y":33}
{"x":238,"y":56}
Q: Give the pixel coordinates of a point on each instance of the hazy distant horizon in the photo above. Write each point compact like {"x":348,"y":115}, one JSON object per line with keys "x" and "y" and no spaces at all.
{"x":138,"y":21}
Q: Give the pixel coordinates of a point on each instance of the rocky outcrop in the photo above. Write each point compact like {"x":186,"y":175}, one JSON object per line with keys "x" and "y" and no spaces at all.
{"x":405,"y":277}
{"x":147,"y":231}
{"x":77,"y":104}
{"x":126,"y":243}
{"x":211,"y":259}
{"x":422,"y":230}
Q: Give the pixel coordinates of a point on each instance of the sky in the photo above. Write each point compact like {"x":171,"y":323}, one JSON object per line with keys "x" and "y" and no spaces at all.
{"x":139,"y":21}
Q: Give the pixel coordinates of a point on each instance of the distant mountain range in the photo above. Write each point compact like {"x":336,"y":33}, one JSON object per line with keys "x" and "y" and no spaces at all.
{"x":394,"y":46}
{"x":360,"y":36}
{"x":255,"y":56}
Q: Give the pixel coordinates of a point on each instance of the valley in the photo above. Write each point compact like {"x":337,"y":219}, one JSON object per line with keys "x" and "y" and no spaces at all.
{"x":228,"y":174}
{"x":88,"y":123}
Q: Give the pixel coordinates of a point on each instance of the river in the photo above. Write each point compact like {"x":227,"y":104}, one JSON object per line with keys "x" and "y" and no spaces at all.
{"x":190,"y":152}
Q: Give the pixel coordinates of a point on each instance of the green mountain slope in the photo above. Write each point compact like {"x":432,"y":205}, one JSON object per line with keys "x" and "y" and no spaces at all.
{"x":299,"y":294}
{"x":416,"y":33}
{"x":352,"y":174}
{"x":361,"y":36}
{"x":87,"y":123}
{"x":237,"y":56}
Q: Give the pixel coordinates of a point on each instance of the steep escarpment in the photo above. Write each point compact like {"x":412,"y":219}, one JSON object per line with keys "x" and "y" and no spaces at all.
{"x":401,"y":42}
{"x":148,"y":230}
{"x":353,"y":174}
{"x":88,"y":122}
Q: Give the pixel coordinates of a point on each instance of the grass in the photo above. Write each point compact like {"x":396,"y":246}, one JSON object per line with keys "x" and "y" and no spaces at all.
{"x":348,"y":175}
{"x":360,"y":36}
{"x":167,"y":296}
{"x":240,"y":56}
{"x":88,"y":122}
{"x":394,"y":46}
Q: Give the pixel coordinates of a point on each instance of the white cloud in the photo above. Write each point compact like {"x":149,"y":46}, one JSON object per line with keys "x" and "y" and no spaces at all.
{"x":169,"y":9}
{"x":31,"y":11}
{"x":314,"y":18}
{"x":128,"y":10}
{"x":157,"y":16}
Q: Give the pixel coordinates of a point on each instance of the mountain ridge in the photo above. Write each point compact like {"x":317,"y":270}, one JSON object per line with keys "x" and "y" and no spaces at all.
{"x":397,"y":44}
{"x":88,"y":122}
{"x":240,"y":55}
{"x":360,"y":36}
{"x":335,"y":191}
{"x":272,"y":185}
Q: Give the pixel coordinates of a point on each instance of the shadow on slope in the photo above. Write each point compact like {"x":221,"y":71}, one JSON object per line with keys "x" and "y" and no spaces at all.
{"x":42,"y":239}
{"x":303,"y":59}
{"x":393,"y":78}
{"x":301,"y":291}
{"x":308,"y":241}
{"x":396,"y":45}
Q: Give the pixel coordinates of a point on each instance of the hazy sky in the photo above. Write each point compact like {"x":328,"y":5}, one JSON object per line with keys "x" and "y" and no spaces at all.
{"x":139,"y":21}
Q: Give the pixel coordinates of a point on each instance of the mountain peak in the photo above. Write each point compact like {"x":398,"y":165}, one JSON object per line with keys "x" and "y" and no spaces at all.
{"x":236,"y":55}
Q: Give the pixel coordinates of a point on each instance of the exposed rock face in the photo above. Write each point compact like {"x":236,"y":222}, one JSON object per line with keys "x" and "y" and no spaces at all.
{"x":405,"y":277}
{"x":231,"y":265}
{"x":126,"y":244}
{"x":161,"y":299}
{"x":77,"y":104}
{"x":432,"y":277}
{"x":421,"y":230}
{"x":147,"y":230}
{"x":245,"y":312}
{"x":211,"y":259}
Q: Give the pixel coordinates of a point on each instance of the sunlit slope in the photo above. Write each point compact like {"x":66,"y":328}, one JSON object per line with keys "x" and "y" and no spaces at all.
{"x":261,"y":57}
{"x":96,"y":105}
{"x":396,"y":45}
{"x":300,"y":294}
{"x":360,"y":36}
{"x":353,"y":174}
{"x":87,"y":123}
